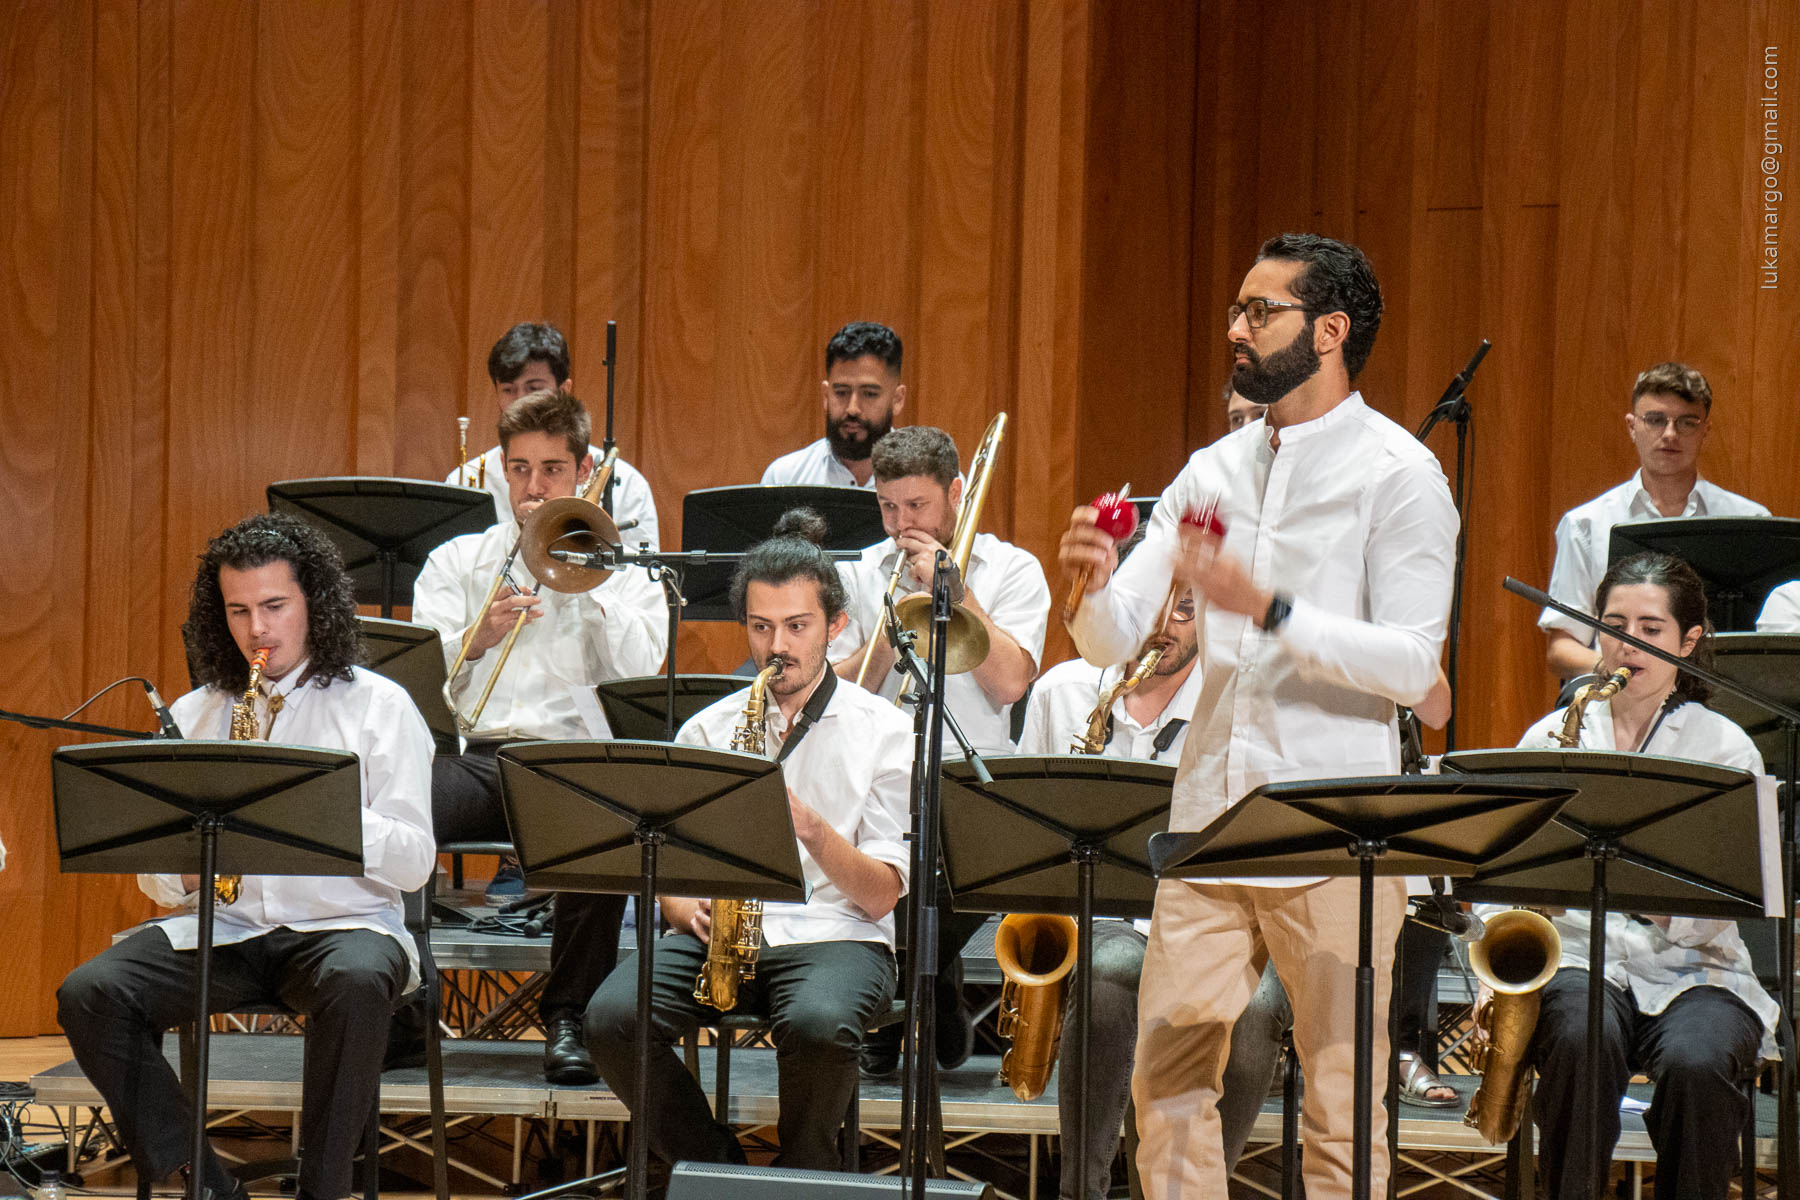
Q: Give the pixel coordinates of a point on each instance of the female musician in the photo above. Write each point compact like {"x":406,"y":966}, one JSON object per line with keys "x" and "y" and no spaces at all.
{"x":1682,"y":1004}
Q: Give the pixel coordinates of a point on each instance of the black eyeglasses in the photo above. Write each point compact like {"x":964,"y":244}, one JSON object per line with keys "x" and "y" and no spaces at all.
{"x":1256,"y":310}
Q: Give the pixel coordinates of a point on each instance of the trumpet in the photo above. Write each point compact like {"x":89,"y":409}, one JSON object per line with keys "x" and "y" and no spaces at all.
{"x":566,"y":523}
{"x":966,"y":643}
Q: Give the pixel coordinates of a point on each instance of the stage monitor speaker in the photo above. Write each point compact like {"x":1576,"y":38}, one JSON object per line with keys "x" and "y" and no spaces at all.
{"x":718,"y":1181}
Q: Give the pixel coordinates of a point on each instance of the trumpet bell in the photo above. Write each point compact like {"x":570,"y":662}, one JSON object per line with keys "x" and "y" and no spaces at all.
{"x":566,"y":523}
{"x":966,"y":643}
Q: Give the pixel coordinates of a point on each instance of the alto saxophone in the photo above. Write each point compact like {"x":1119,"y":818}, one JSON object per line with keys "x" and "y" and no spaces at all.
{"x":1036,"y":951}
{"x":244,"y":728}
{"x":736,"y":940}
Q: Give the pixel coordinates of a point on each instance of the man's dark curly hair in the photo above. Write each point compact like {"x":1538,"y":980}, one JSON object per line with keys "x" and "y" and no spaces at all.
{"x":1338,"y":278}
{"x":333,"y":643}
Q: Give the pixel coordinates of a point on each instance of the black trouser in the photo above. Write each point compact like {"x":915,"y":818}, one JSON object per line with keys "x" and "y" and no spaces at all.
{"x":116,"y":1006}
{"x":819,"y":998}
{"x":1698,"y":1051}
{"x":1415,"y":991}
{"x":584,"y":936}
{"x":954,"y":931}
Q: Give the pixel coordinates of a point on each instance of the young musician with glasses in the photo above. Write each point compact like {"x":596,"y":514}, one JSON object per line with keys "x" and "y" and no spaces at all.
{"x":1670,"y":417}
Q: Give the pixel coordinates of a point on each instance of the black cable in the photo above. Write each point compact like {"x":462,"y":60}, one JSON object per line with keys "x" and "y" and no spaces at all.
{"x":109,"y":687}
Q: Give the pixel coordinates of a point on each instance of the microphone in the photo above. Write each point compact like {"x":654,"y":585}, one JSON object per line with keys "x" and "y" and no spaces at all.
{"x":1463,"y":926}
{"x":584,"y":558}
{"x":163,"y":717}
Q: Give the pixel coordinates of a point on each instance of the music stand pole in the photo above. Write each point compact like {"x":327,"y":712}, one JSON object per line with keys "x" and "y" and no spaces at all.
{"x":208,"y":826}
{"x":1787,"y":1123}
{"x":924,"y":954}
{"x":606,"y":447}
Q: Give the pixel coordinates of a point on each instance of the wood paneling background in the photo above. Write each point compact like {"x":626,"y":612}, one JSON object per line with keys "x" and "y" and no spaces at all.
{"x":245,"y":242}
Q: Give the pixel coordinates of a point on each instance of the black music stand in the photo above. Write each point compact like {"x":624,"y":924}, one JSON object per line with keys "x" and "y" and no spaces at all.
{"x":1057,"y":833}
{"x":1739,"y":559}
{"x":1388,"y":825}
{"x":733,"y":519}
{"x":1764,"y":662}
{"x":384,"y":528}
{"x":165,"y":807}
{"x":413,"y":657}
{"x":637,"y":709}
{"x":643,"y":818}
{"x":1645,"y":834}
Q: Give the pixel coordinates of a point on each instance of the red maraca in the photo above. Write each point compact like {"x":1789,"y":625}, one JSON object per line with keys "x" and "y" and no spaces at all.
{"x":1117,"y":517}
{"x":1206,"y":519}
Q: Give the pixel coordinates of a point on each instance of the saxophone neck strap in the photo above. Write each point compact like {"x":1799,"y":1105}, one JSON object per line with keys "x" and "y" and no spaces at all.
{"x":809,"y":714}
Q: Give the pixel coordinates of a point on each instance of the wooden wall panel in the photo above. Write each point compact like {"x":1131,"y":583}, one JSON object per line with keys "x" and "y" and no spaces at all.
{"x":252,"y":240}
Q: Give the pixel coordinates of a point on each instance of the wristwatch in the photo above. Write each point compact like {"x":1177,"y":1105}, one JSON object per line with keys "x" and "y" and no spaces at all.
{"x":1278,"y":610}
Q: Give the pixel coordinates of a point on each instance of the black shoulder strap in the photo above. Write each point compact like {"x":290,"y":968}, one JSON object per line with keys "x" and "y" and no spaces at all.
{"x":1165,"y":737}
{"x":809,"y":714}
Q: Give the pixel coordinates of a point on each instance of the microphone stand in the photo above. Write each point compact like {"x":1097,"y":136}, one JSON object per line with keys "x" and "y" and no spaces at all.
{"x":1787,"y":1127}
{"x":606,"y":447}
{"x":37,"y":722}
{"x":1453,"y":406}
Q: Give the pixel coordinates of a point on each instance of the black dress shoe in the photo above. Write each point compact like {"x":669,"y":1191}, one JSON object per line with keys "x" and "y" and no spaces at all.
{"x":955,"y":1023}
{"x":880,"y":1053}
{"x":566,"y":1060}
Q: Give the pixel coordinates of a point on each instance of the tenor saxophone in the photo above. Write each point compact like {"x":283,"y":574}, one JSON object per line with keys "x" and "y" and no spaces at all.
{"x":243,"y":729}
{"x":1515,"y":958}
{"x":1036,"y":951}
{"x":736,"y":940}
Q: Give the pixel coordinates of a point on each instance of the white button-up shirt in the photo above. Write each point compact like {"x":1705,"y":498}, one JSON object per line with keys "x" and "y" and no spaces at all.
{"x":1352,"y":519}
{"x":1008,"y":583}
{"x":1654,"y":966}
{"x":632,"y":500}
{"x":615,"y":631}
{"x":1781,"y":611}
{"x":854,"y":768}
{"x":1064,"y":697}
{"x":373,"y":718}
{"x":814,"y":464}
{"x":1584,"y":539}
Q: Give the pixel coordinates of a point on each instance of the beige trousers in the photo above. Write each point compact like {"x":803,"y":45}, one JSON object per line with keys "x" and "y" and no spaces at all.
{"x":1207,"y":942}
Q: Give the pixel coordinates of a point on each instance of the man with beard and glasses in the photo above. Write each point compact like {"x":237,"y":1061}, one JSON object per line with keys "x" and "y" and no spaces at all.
{"x":917,"y":483}
{"x":827,"y":965}
{"x":1323,"y":606}
{"x":863,"y":394}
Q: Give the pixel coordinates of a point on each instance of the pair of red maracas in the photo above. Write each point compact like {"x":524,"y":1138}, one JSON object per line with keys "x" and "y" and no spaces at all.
{"x":1116,"y":516}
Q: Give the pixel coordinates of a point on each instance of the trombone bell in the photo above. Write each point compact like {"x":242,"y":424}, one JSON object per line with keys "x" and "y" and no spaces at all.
{"x":966,"y":640}
{"x":566,"y":523}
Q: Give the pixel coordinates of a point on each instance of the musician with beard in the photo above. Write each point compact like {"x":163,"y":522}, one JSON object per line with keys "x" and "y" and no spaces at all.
{"x":863,"y":394}
{"x":1324,"y":603}
{"x":827,"y":965}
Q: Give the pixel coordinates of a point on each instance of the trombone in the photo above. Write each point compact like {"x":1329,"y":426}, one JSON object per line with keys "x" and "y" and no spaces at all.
{"x":566,"y":523}
{"x":966,"y":644}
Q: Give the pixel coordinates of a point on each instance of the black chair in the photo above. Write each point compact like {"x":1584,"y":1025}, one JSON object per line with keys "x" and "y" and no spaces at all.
{"x":418,"y":923}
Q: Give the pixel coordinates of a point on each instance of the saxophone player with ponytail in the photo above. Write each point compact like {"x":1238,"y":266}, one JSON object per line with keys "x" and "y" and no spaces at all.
{"x":1682,"y":1002}
{"x":826,"y":966}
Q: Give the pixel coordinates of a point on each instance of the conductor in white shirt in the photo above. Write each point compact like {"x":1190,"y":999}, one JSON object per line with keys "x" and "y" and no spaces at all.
{"x":569,"y":643}
{"x":863,"y":394}
{"x":336,"y":949}
{"x":1670,"y":417}
{"x":534,"y":357}
{"x":827,"y":964}
{"x":1324,"y":605}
